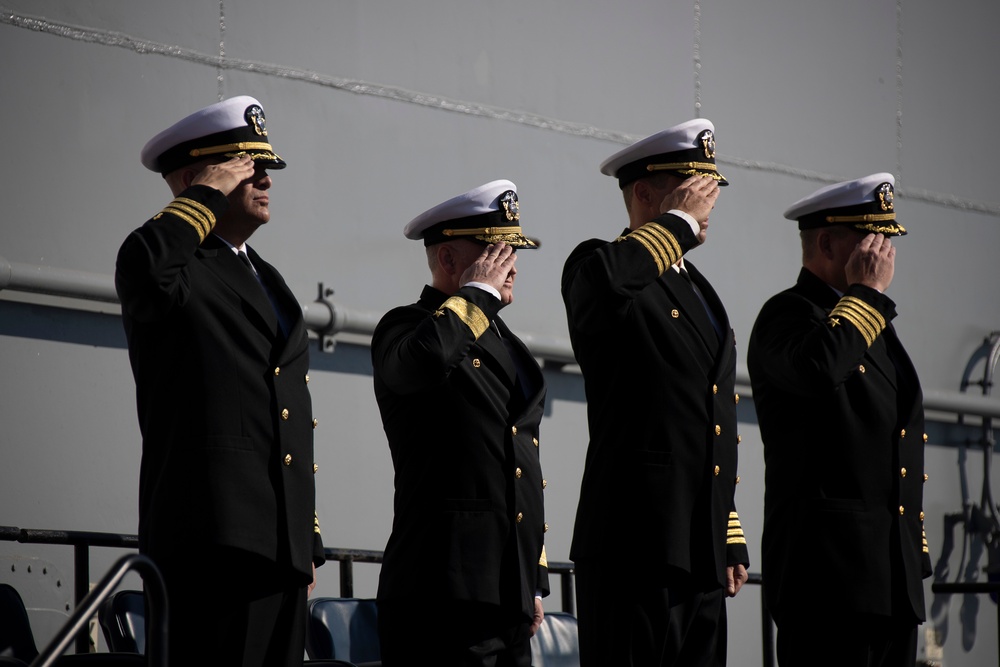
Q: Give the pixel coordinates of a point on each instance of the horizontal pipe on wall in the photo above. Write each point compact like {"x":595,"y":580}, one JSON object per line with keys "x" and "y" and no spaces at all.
{"x":327,"y":318}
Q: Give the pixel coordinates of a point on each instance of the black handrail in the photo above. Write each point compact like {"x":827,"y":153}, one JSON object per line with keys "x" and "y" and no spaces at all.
{"x":347,"y":558}
{"x":156,"y":595}
{"x":82,"y":540}
{"x":975,"y":587}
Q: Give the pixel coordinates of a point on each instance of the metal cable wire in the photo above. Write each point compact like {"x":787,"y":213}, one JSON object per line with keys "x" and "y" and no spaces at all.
{"x":222,"y":63}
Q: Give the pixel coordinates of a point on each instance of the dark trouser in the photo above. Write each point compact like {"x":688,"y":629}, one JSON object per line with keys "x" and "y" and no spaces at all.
{"x":452,"y":634}
{"x":235,"y":609}
{"x":676,"y":625}
{"x":848,"y":640}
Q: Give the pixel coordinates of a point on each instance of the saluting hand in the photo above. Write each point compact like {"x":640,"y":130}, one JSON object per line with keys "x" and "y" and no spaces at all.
{"x":872,"y":263}
{"x":696,"y":196}
{"x":491,"y":267}
{"x":225,"y":176}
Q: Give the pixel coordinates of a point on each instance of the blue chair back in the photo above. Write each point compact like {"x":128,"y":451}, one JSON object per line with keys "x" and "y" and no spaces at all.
{"x":557,"y":642}
{"x":343,"y":628}
{"x":123,"y":620}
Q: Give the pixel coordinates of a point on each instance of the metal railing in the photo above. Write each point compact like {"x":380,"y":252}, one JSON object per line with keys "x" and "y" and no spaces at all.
{"x":347,"y":558}
{"x":87,"y":602}
{"x":156,"y":623}
{"x":975,"y":588}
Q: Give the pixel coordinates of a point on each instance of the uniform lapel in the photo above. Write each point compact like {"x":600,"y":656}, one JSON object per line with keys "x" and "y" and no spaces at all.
{"x":290,"y":307}
{"x":727,"y":344}
{"x":910,"y":395}
{"x":491,"y":344}
{"x":878,"y":356}
{"x":222,"y":261}
{"x":690,"y":305}
{"x":528,"y":366}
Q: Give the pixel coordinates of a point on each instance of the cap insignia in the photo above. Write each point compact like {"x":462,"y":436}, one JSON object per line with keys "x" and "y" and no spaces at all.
{"x":510,"y":205}
{"x":707,"y":140}
{"x":254,"y":116}
{"x":885,"y":196}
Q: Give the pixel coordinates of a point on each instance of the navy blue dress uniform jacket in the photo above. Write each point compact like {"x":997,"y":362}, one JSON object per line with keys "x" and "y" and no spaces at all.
{"x":469,"y":518}
{"x":840,"y":412}
{"x":661,"y":470}
{"x":224,"y":410}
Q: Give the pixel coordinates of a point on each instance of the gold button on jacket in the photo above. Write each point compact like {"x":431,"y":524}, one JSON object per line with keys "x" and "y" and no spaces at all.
{"x":829,"y":392}
{"x":478,"y":369}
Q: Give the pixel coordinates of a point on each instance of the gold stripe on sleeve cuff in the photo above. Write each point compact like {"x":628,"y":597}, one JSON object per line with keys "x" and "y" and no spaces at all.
{"x":674,"y":248}
{"x":543,"y":559}
{"x":194,"y":213}
{"x":660,"y":268}
{"x":734,"y":535}
{"x":866,"y":319}
{"x":469,"y":313}
{"x":316,"y":523}
{"x":660,"y":243}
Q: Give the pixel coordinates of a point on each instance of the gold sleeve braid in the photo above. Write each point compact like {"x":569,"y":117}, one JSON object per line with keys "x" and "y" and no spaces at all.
{"x":469,"y":313}
{"x":865,"y":318}
{"x":923,"y":534}
{"x":543,"y":559}
{"x":316,"y":522}
{"x":660,"y":243}
{"x":734,"y":535}
{"x":194,"y":213}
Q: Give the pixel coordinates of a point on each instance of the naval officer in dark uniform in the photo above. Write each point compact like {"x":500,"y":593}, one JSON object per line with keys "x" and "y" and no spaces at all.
{"x":461,"y":399}
{"x":841,"y":415}
{"x":657,"y":543}
{"x":220,"y":357}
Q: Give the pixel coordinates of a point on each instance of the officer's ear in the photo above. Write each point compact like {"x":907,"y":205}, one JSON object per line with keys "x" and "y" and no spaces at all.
{"x":824,"y":243}
{"x":642,"y":191}
{"x":187,"y":176}
{"x":447,"y":258}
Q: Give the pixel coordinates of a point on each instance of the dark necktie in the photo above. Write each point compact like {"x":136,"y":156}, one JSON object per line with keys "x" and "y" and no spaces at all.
{"x":282,"y":320}
{"x":246,"y":261}
{"x":704,"y":303}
